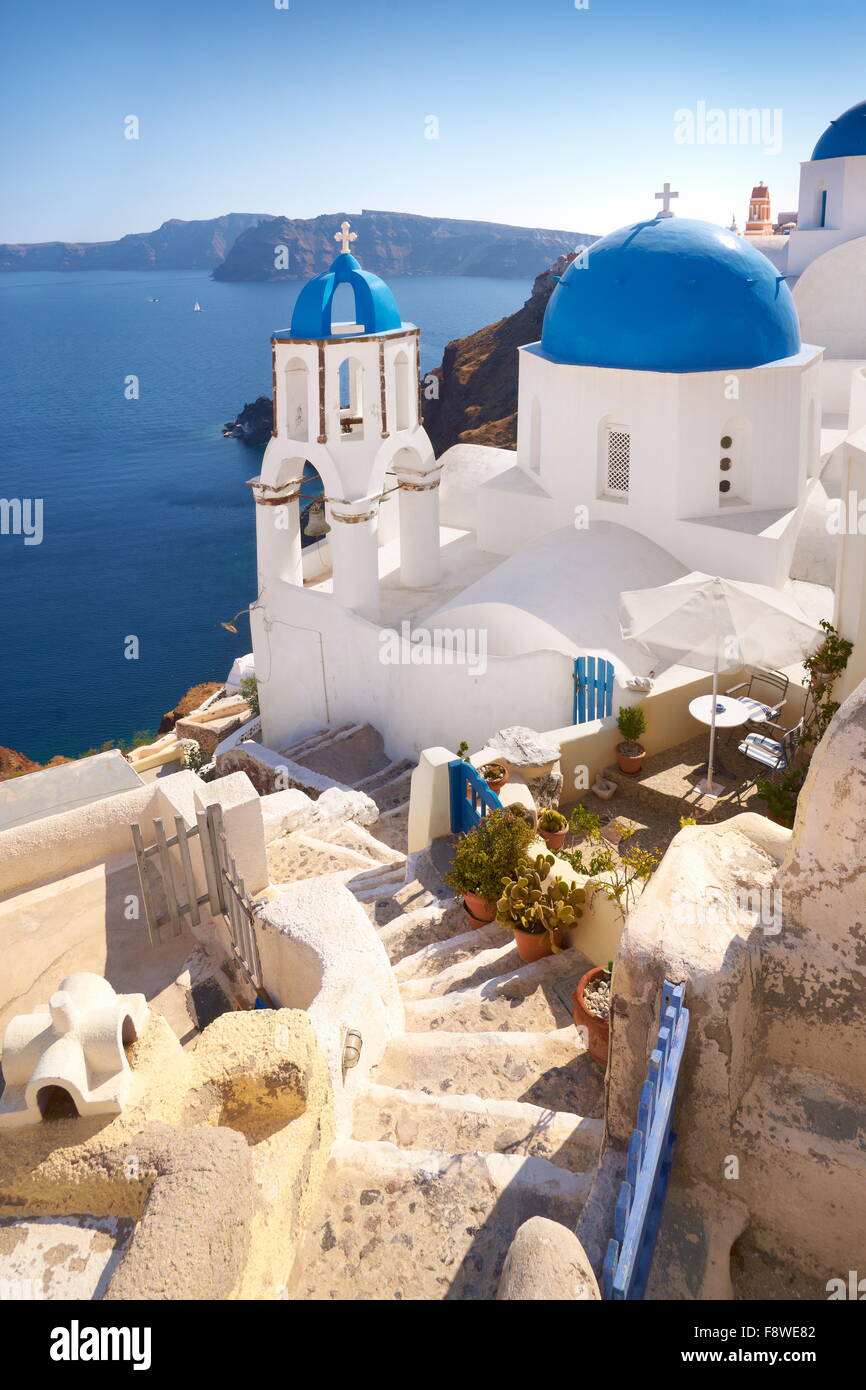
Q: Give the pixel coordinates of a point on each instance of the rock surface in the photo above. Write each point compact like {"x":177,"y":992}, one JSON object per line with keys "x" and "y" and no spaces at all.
{"x":547,"y":1261}
{"x":477,"y":396}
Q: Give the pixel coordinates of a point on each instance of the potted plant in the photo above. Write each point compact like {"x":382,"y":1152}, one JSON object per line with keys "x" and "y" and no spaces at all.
{"x":484,"y":858}
{"x":631,"y":722}
{"x":495,"y":775}
{"x":552,"y":827}
{"x":830,"y":658}
{"x":539,"y":909}
{"x":590,"y":1009}
{"x":781,"y":796}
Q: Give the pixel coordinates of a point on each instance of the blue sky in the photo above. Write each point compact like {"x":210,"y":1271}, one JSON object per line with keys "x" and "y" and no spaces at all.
{"x":548,"y":115}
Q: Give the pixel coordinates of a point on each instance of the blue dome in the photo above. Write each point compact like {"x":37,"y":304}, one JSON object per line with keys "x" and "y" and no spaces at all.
{"x":844,"y":136}
{"x":375,"y":305}
{"x":671,"y":295}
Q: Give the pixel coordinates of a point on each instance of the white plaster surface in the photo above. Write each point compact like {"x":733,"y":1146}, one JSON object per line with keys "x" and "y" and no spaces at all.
{"x":60,"y":1257}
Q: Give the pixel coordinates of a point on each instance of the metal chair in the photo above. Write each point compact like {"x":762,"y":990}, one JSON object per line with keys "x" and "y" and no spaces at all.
{"x":775,"y":753}
{"x":765,"y":695}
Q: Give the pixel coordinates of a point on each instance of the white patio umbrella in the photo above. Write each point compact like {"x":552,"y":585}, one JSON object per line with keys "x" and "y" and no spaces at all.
{"x":717,"y":625}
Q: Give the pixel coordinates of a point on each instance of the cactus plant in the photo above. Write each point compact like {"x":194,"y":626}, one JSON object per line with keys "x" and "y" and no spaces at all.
{"x":534,"y":903}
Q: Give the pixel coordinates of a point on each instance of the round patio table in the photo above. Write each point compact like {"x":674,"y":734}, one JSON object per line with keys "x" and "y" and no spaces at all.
{"x":729,"y":714}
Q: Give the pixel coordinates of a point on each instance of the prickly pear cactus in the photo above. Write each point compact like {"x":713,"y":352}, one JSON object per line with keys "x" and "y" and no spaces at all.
{"x":532,"y":905}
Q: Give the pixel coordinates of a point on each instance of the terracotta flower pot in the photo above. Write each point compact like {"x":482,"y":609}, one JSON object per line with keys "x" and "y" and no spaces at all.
{"x":630,"y":763}
{"x":554,"y":839}
{"x":597,"y":1029}
{"x":499,"y":783}
{"x":531,"y":947}
{"x":480,"y":910}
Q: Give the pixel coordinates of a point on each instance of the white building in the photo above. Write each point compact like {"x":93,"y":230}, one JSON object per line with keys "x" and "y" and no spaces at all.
{"x":824,"y":258}
{"x":669,"y":421}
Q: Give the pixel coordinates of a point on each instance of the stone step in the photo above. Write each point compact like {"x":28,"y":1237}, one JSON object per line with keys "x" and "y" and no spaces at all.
{"x":317,"y":740}
{"x":468,"y":1124}
{"x":433,"y":959}
{"x":348,"y":756}
{"x":299,"y":856}
{"x":426,"y":1224}
{"x":358,"y":837}
{"x":392,"y":827}
{"x":551,"y":1070}
{"x":802,"y":1151}
{"x":405,"y":931}
{"x":393,"y":794}
{"x":386,"y":775}
{"x":528,"y":998}
{"x":470,"y":970}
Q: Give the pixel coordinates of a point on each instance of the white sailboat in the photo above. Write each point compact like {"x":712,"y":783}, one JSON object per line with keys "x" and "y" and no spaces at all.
{"x":197,"y":309}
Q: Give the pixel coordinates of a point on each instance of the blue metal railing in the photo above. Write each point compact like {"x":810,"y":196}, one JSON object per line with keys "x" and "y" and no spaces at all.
{"x":650,"y":1158}
{"x":471,"y":798}
{"x":593,"y":689}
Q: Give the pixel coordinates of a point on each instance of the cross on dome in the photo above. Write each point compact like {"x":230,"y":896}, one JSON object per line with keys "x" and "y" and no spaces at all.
{"x":345,"y":236}
{"x":666,"y":195}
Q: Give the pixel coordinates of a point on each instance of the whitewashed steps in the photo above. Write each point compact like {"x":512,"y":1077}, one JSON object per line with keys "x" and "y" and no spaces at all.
{"x":526,"y":998}
{"x":547,"y":1069}
{"x":393,"y":1223}
{"x":468,"y":1124}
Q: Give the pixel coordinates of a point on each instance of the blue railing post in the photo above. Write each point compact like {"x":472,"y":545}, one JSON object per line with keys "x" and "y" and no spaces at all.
{"x":471,"y":797}
{"x":638,"y":1212}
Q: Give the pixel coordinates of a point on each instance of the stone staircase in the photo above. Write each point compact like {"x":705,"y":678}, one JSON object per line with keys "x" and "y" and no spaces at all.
{"x":485,"y":1112}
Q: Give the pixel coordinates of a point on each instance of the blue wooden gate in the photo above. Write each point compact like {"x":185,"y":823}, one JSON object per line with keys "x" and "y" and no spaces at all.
{"x":593,"y":689}
{"x":650,"y":1158}
{"x":471,"y":798}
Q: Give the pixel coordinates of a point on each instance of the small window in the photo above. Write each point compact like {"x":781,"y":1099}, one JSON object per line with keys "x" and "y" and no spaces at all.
{"x":725,"y":485}
{"x":725,"y":465}
{"x":618,"y":459}
{"x":726,"y":441}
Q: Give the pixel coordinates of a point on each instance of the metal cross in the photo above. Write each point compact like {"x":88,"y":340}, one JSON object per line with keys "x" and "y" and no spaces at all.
{"x":666,"y":195}
{"x":345,"y":236}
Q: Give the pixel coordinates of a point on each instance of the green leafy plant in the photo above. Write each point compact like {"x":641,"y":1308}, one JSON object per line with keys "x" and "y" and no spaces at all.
{"x":486,"y":856}
{"x":552,"y":820}
{"x":584,"y":823}
{"x":536,"y":903}
{"x":687,"y":820}
{"x":463,"y":751}
{"x":631,"y":722}
{"x":250,"y":692}
{"x":824,"y":667}
{"x":781,"y":795}
{"x":192,"y":755}
{"x":625,"y":871}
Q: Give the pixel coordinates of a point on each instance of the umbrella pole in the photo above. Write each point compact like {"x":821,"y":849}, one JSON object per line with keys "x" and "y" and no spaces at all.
{"x":710,"y":789}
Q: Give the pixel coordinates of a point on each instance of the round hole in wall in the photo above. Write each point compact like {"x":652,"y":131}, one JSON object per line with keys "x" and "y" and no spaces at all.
{"x":725,"y":485}
{"x":726,"y":441}
{"x":725,"y":465}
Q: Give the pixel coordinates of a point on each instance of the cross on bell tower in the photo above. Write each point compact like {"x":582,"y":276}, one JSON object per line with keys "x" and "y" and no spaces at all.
{"x":345,"y":237}
{"x":666,"y":195}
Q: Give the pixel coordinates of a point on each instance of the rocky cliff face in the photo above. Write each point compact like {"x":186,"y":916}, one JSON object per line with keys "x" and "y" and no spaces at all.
{"x":477,"y":400}
{"x":394,"y":243}
{"x":175,"y":245}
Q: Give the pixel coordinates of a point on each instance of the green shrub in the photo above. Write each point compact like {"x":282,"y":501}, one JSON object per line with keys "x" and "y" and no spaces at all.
{"x":250,"y":692}
{"x":488,"y":855}
{"x":631,"y":722}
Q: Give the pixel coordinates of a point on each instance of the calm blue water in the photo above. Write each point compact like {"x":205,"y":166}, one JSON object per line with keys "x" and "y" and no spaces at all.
{"x":148,"y":527}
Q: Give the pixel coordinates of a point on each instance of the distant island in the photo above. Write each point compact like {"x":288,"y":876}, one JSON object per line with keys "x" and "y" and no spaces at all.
{"x":258,"y":246}
{"x":175,"y":245}
{"x":395,"y":243}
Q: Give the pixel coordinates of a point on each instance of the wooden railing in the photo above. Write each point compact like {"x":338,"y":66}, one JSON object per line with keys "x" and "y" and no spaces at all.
{"x":471,"y":797}
{"x":650,"y":1158}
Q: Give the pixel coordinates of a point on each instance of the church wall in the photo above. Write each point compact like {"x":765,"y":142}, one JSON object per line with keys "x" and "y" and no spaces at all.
{"x":307,"y":682}
{"x":845,"y":182}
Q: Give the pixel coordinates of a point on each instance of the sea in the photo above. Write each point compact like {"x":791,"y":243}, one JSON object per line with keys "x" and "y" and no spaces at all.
{"x":137,"y":534}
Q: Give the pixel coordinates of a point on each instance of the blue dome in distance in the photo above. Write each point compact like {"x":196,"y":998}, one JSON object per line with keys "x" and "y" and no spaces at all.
{"x":844,"y":136}
{"x":671,"y":295}
{"x":375,"y":306}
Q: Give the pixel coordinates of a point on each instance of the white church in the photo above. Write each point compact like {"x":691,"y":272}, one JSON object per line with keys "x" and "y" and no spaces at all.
{"x":671,"y":419}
